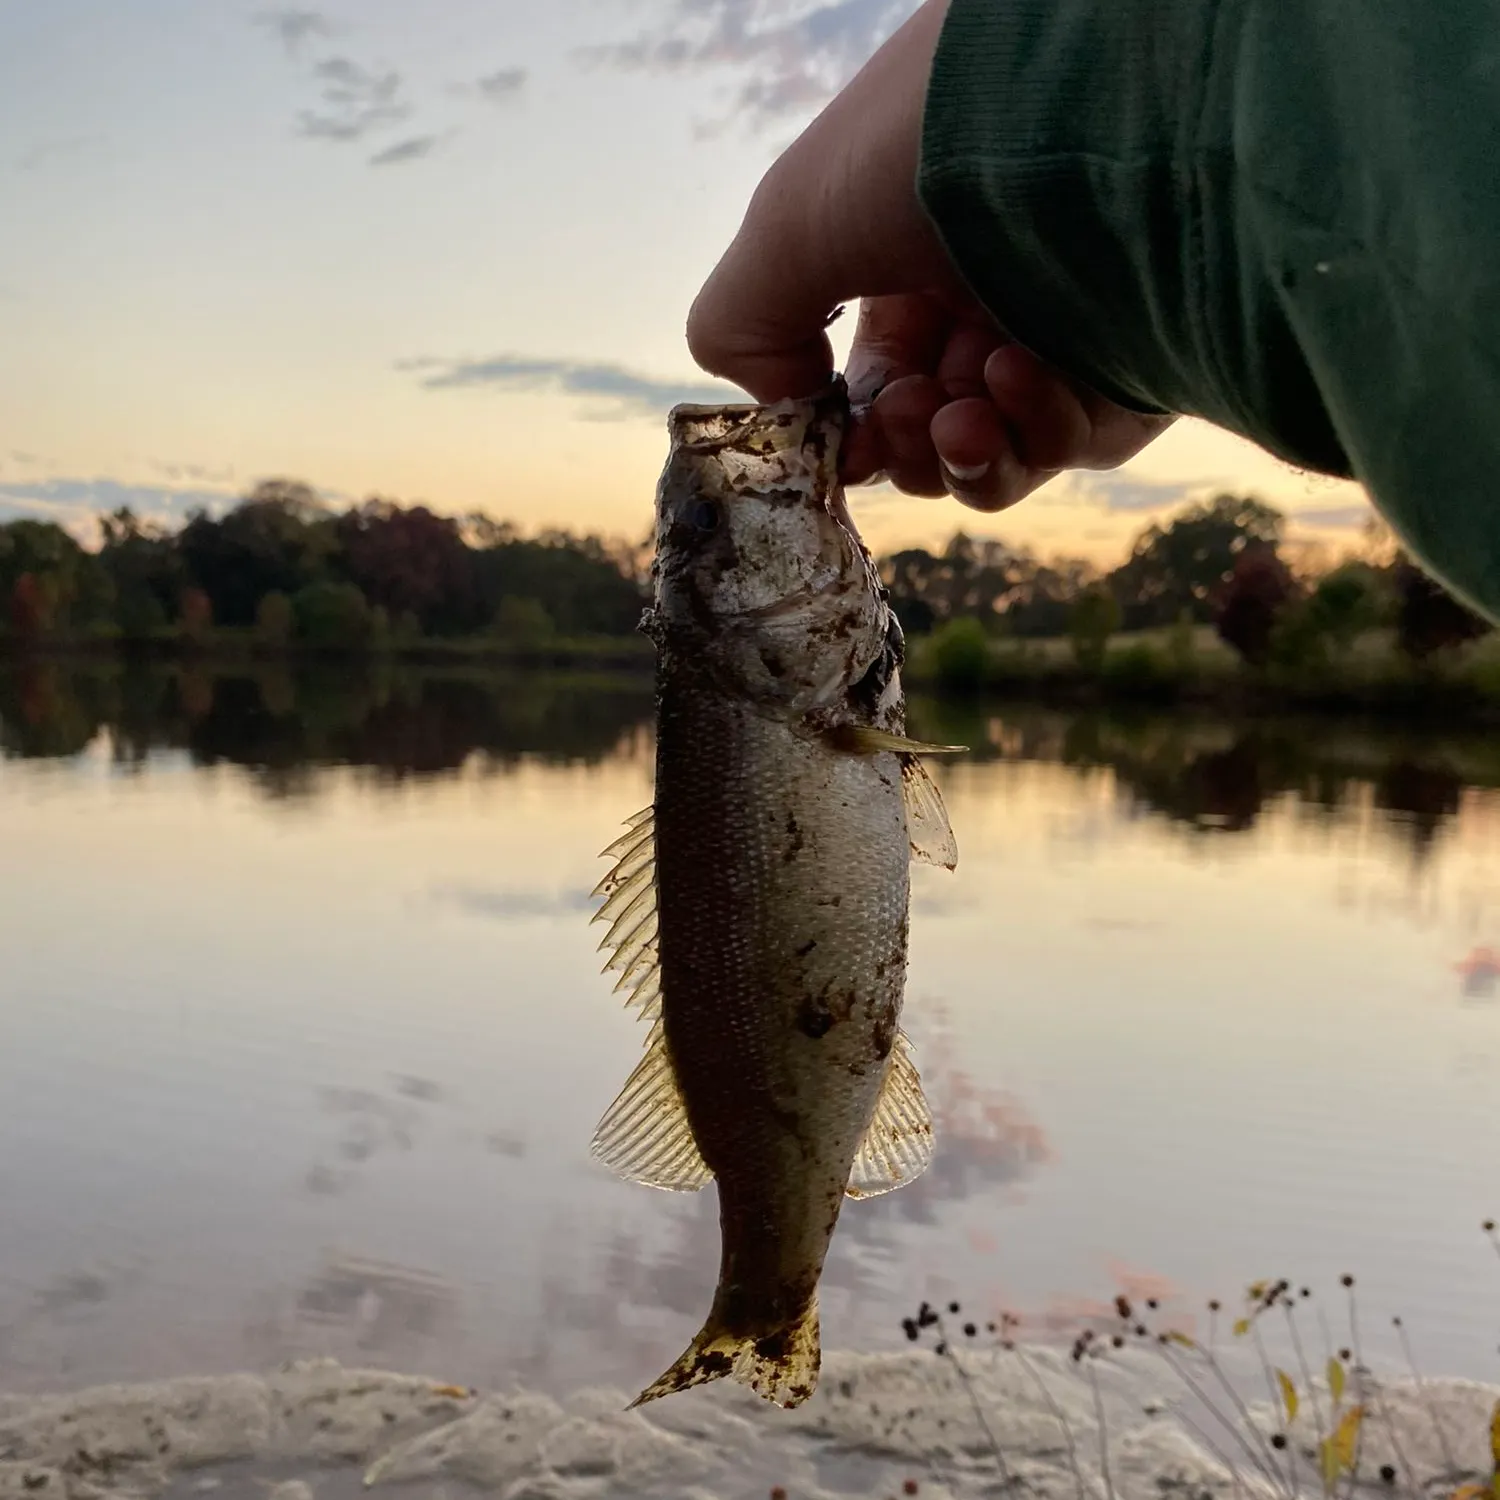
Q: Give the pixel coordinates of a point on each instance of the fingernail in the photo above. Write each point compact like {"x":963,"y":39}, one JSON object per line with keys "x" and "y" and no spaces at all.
{"x":968,"y":473}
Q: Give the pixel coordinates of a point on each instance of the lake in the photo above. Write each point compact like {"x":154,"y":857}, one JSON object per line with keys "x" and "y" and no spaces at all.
{"x":303,"y":1038}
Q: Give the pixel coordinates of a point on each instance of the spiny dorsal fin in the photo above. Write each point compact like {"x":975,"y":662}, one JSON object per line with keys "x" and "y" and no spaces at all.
{"x":630,"y":909}
{"x":927,"y":824}
{"x":898,"y":1145}
{"x":644,"y":1135}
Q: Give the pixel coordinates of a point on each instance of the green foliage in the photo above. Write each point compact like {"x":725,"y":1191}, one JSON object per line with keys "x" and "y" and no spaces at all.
{"x":1182,"y":564}
{"x":1139,"y":671}
{"x":332,"y":615}
{"x":522,"y":620}
{"x":1347,"y":603}
{"x":275,"y":621}
{"x":959,"y":652}
{"x":1093,"y":618}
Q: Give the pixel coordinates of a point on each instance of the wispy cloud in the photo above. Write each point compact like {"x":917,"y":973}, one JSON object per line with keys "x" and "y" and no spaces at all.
{"x":1334,"y":517}
{"x":355,"y":102}
{"x":627,"y":392}
{"x":791,"y":55}
{"x":502,"y":86}
{"x":43,"y":152}
{"x":1122,"y":493}
{"x":81,"y":499}
{"x":414,"y":148}
{"x":294,"y":27}
{"x":197,"y":473}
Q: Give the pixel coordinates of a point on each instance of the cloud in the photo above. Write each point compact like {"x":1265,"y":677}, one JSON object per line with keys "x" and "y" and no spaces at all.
{"x":198,"y":473}
{"x":630,"y":393}
{"x":294,"y":27}
{"x":502,"y":86}
{"x":356,"y":101}
{"x":1121,"y":493}
{"x":82,"y":499}
{"x":792,"y":56}
{"x":44,"y":151}
{"x":1334,"y":517}
{"x":412,"y":149}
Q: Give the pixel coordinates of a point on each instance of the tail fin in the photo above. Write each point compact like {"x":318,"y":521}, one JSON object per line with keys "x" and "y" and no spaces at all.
{"x":781,"y":1365}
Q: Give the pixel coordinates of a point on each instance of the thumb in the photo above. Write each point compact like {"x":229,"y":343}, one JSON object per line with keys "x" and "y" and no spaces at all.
{"x":759,"y":321}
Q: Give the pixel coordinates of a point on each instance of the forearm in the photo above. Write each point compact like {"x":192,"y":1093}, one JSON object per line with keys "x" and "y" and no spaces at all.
{"x":1275,"y":214}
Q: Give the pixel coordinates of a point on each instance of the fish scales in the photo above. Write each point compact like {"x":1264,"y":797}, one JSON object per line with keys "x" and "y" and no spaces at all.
{"x":774,"y":864}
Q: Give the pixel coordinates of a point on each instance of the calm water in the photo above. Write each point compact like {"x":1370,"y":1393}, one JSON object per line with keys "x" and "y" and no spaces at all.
{"x":302,"y":1037}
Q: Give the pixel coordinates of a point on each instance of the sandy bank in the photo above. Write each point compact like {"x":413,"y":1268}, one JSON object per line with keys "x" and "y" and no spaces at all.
{"x":318,"y":1431}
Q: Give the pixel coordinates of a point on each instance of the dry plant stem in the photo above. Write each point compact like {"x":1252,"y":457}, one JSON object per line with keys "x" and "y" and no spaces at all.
{"x":1057,"y":1412}
{"x":1359,"y":1394}
{"x":1109,"y":1486}
{"x":951,"y":1354}
{"x":1273,"y":1390}
{"x":1186,"y":1377}
{"x":1307,"y":1379}
{"x":1203,"y":1437}
{"x":1426,"y":1396}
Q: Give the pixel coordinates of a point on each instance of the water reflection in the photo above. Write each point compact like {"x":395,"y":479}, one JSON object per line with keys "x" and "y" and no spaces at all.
{"x":282,"y":723}
{"x":1212,"y":774}
{"x":302,"y":1038}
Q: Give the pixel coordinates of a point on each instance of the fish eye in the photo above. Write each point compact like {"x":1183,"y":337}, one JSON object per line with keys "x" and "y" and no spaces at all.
{"x":703,"y":514}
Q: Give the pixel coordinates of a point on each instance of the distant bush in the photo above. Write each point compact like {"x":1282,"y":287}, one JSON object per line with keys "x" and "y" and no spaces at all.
{"x":332,"y":614}
{"x":960,"y":655}
{"x":522,"y":619}
{"x":274,"y":620}
{"x":1140,"y":671}
{"x":1093,"y":618}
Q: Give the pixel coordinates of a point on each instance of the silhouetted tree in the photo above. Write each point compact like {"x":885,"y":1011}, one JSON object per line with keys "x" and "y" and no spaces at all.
{"x":411,"y":562}
{"x":1182,"y":564}
{"x":1260,"y":587}
{"x":1428,"y":618}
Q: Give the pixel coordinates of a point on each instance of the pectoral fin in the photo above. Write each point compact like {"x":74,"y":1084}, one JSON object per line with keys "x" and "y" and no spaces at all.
{"x":862,"y":739}
{"x":927,"y":825}
{"x":898,"y":1145}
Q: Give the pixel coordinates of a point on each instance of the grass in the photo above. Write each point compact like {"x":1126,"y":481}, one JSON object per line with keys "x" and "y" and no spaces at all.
{"x":1195,"y":666}
{"x":1326,"y":1424}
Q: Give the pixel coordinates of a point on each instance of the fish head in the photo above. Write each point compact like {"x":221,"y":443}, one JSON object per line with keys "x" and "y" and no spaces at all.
{"x":760,"y":574}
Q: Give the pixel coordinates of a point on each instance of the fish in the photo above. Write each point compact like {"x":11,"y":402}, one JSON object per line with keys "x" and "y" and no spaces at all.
{"x":758,"y":909}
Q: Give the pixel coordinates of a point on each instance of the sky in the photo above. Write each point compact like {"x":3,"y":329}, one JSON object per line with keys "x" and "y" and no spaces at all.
{"x":440,"y":253}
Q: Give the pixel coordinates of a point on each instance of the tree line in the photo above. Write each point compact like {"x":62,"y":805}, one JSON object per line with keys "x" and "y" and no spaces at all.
{"x":283,"y":568}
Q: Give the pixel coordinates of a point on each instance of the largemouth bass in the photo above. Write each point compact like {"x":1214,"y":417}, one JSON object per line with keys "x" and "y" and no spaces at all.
{"x":758,"y":909}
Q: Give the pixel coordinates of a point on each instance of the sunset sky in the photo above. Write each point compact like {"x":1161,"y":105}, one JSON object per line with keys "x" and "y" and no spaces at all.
{"x":439,"y":252}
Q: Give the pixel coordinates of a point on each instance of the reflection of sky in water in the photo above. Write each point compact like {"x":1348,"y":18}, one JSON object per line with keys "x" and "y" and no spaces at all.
{"x":320,"y":1073}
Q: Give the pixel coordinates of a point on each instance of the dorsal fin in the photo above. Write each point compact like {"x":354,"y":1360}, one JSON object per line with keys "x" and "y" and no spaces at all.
{"x":630,"y":909}
{"x":927,"y":824}
{"x":898,"y":1145}
{"x":645,"y":1135}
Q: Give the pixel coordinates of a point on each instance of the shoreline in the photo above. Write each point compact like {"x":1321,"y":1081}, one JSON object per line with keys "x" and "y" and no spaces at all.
{"x":877,"y":1425}
{"x":1432,"y":697}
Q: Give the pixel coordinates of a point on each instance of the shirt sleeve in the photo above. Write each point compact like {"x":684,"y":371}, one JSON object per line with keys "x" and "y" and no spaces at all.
{"x":1282,"y":216}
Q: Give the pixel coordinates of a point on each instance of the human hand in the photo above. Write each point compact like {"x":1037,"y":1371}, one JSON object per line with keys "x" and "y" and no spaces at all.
{"x":948,"y":403}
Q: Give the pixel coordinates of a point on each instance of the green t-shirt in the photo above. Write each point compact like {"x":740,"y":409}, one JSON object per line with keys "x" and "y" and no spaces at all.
{"x":1280,"y":215}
